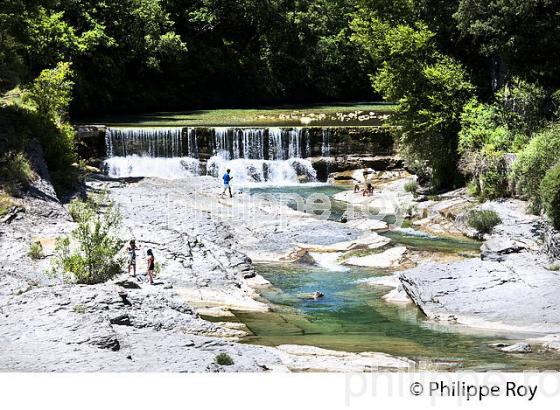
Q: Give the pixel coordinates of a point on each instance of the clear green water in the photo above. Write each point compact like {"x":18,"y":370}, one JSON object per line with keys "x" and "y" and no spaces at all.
{"x":353,"y":316}
{"x":285,"y":194}
{"x":433,"y":243}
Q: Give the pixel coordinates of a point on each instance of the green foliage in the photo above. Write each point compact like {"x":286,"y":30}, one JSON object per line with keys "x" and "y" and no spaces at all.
{"x":481,"y":129}
{"x":550,"y":194}
{"x":518,"y":35}
{"x":482,"y":144}
{"x":223,"y":359}
{"x":411,"y":186}
{"x":89,"y":254}
{"x":521,"y":108}
{"x":541,"y":154}
{"x":39,"y":112}
{"x":134,"y":54}
{"x":35,"y":250}
{"x":81,"y":309}
{"x":51,"y":92}
{"x":493,"y":181}
{"x":554,"y":267}
{"x":6,"y":203}
{"x":489,"y":131}
{"x":15,"y":172}
{"x":431,"y":90}
{"x":483,"y":220}
{"x":12,"y":64}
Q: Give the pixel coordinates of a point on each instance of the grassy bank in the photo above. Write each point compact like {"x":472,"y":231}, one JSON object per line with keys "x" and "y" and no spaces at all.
{"x":347,"y":114}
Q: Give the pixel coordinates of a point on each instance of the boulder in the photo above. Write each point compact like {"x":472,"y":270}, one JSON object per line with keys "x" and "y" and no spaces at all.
{"x":553,"y":345}
{"x":496,"y":247}
{"x":517,"y":348}
{"x":551,"y":243}
{"x":487,"y":293}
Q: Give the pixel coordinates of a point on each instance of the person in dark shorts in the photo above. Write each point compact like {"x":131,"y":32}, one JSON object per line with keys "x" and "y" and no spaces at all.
{"x":151,"y":266}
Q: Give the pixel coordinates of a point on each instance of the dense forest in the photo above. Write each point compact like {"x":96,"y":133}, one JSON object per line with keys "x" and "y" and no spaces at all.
{"x":474,"y":80}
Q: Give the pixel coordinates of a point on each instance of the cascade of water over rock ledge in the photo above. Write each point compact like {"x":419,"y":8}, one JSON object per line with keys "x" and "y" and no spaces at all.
{"x":265,"y":155}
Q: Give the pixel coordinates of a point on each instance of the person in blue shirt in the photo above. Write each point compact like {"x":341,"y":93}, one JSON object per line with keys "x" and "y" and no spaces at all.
{"x":227,"y":177}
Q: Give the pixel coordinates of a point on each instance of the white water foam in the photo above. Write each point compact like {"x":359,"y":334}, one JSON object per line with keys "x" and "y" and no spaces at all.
{"x":271,"y":156}
{"x":328,"y":260}
{"x":276,"y":172}
{"x":139,"y":166}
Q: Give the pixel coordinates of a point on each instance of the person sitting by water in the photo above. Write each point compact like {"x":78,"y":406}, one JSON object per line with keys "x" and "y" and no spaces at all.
{"x":227,"y":178}
{"x":368,"y":190}
{"x":356,"y":188}
{"x":317,"y":295}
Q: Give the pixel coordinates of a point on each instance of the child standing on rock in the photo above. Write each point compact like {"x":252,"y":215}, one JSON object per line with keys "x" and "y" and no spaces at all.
{"x":151,"y":266}
{"x":131,"y":249}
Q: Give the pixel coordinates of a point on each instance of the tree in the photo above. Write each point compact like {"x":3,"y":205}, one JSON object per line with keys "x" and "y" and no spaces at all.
{"x":51,"y":92}
{"x":533,"y":162}
{"x":550,"y":194}
{"x":430,"y":88}
{"x":89,"y":253}
{"x":520,"y":36}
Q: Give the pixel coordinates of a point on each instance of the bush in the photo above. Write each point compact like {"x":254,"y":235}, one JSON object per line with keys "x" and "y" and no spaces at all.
{"x":483,"y":220}
{"x":224,"y":359}
{"x":5,"y":204}
{"x":554,"y":267}
{"x":550,"y":195}
{"x":35,"y":250}
{"x":40,"y":112}
{"x":89,"y":253}
{"x":51,"y":92}
{"x":534,"y":161}
{"x":15,"y":172}
{"x":411,"y":186}
{"x":81,"y":309}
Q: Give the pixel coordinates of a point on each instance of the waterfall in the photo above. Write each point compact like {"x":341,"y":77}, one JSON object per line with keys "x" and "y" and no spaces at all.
{"x":150,"y":152}
{"x":277,"y":172}
{"x":244,"y":152}
{"x":149,"y":141}
{"x":326,"y":150}
{"x":326,"y":145}
{"x":262,"y":155}
{"x":142,"y":166}
{"x":192,"y":143}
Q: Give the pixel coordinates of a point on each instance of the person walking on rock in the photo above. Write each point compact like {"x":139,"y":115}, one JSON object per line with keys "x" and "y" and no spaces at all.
{"x":227,"y":178}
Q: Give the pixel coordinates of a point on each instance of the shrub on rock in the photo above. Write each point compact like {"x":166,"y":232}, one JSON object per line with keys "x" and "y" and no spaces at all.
{"x":89,"y":254}
{"x":411,"y":187}
{"x":35,"y":250}
{"x":550,"y":195}
{"x":224,"y":359}
{"x":483,"y":220}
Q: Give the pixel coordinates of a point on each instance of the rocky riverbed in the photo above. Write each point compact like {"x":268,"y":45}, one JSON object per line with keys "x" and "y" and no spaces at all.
{"x":513,"y":285}
{"x":127,"y":325}
{"x":206,"y":246}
